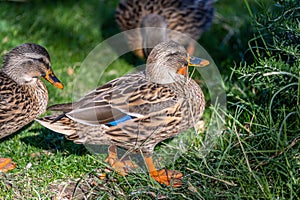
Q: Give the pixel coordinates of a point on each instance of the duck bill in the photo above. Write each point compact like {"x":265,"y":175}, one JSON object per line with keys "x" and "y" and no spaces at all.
{"x":197,"y":62}
{"x":193,"y":62}
{"x":51,"y":78}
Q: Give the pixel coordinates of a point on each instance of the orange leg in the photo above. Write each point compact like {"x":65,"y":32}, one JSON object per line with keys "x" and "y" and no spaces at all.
{"x":122,"y":166}
{"x":164,"y":176}
{"x":6,"y":164}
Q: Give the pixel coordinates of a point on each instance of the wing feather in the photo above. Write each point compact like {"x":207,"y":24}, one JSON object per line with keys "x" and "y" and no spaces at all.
{"x":131,"y":95}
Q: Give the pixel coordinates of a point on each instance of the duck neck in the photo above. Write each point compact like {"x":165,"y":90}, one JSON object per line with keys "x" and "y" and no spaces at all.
{"x":39,"y":92}
{"x":155,"y":74}
{"x":34,"y":87}
{"x":16,"y":71}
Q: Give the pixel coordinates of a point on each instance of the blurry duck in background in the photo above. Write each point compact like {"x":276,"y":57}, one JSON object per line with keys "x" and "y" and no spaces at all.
{"x":190,"y":17}
{"x":137,"y":111}
{"x":23,"y":96}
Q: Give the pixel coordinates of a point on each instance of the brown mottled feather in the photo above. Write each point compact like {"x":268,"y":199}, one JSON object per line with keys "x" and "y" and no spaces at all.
{"x":19,"y":105}
{"x":159,"y":111}
{"x":190,"y":17}
{"x":23,"y":96}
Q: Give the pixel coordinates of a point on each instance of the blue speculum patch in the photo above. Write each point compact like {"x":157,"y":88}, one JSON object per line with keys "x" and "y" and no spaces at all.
{"x":118,"y":121}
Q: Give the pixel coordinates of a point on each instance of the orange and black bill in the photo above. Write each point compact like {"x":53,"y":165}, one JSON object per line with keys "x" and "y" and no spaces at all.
{"x":51,"y":78}
{"x":193,"y":62}
{"x":197,"y":62}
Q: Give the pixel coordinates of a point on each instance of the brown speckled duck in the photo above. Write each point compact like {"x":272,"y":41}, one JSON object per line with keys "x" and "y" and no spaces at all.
{"x":138,"y":110}
{"x":23,"y":96}
{"x":190,"y":17}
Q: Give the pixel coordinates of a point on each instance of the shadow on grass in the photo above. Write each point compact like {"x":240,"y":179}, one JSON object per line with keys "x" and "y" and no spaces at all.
{"x":10,"y":137}
{"x":48,"y":140}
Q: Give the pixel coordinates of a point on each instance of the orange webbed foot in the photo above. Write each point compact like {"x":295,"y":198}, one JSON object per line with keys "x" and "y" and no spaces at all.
{"x":6,"y":165}
{"x":167,"y":177}
{"x":164,"y":176}
{"x":122,"y":166}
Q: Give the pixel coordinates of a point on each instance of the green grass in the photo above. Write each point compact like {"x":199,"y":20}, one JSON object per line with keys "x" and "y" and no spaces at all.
{"x":257,"y":156}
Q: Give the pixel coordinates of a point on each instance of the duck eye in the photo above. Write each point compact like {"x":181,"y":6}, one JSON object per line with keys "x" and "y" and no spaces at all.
{"x":186,"y":63}
{"x":43,"y":74}
{"x":41,"y":60}
{"x":29,"y":62}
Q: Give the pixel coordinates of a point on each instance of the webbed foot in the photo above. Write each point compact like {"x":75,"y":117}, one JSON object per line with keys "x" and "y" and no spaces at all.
{"x":122,"y":166}
{"x":164,"y":176}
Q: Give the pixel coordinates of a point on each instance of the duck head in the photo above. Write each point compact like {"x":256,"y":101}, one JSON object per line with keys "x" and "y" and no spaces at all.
{"x":25,"y":63}
{"x":169,"y":62}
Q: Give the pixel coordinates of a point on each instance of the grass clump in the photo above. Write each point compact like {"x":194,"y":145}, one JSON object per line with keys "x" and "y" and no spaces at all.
{"x":264,"y":105}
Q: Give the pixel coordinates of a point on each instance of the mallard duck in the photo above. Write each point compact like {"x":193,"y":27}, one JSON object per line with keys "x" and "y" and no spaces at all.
{"x":190,"y":17}
{"x":23,"y":96}
{"x":138,"y":110}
